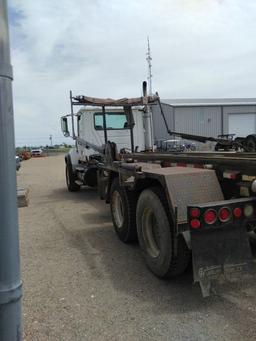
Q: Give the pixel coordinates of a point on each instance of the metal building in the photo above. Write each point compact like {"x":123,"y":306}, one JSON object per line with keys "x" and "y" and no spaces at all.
{"x":207,"y":117}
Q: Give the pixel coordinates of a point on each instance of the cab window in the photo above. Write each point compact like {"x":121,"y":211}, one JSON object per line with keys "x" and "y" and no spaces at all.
{"x":116,"y":120}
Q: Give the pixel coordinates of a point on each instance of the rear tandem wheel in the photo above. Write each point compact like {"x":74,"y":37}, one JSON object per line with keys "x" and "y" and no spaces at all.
{"x":157,"y":237}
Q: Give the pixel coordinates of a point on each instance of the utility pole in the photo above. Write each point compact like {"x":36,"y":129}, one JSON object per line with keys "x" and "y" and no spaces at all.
{"x":149,"y":59}
{"x":50,"y":137}
{"x":10,"y":282}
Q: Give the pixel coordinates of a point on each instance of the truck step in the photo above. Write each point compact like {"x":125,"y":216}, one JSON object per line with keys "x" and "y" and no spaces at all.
{"x":79,"y":182}
{"x":80,"y":169}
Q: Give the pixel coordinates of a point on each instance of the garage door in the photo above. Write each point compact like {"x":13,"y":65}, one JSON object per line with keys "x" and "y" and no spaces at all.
{"x":241,"y":124}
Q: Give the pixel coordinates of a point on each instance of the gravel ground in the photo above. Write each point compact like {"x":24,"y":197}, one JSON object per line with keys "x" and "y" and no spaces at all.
{"x":82,"y":283}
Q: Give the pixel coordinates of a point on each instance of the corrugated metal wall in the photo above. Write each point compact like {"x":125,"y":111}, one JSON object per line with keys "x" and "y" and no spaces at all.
{"x":204,"y":121}
{"x":200,"y":120}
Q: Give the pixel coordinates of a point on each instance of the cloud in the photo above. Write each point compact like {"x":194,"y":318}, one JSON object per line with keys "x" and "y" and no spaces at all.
{"x":200,"y":48}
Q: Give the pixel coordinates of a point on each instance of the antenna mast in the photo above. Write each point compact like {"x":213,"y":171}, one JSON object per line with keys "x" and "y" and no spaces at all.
{"x":149,"y":59}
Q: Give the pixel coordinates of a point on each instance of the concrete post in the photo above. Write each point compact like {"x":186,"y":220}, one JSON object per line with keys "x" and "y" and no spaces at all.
{"x":10,"y":282}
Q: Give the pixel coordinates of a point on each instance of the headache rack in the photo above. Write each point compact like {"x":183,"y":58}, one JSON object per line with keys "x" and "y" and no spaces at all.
{"x":144,"y":102}
{"x":103,"y":102}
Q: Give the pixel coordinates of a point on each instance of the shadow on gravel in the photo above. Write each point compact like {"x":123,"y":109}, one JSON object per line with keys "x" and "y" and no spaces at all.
{"x":62,"y":194}
{"x":103,"y":218}
{"x":109,"y":259}
{"x":124,"y":265}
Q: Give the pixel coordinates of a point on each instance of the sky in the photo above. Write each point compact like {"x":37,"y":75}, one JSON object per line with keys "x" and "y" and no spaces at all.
{"x":199,"y":49}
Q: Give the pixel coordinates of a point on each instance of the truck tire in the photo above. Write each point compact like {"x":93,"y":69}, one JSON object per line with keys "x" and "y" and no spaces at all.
{"x":123,"y":211}
{"x":70,"y":178}
{"x":156,"y":235}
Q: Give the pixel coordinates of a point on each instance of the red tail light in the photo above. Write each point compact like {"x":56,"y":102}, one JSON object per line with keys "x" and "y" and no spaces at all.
{"x":194,"y":212}
{"x":237,"y":212}
{"x":224,"y":214}
{"x":210,"y":216}
{"x":195,"y":223}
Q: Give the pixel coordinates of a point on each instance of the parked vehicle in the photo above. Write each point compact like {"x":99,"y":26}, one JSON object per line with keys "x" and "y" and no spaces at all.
{"x":175,"y":204}
{"x":36,"y":152}
{"x":175,"y":145}
{"x":18,"y":163}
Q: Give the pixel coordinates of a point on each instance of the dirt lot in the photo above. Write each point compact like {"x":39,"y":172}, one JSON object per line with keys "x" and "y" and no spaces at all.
{"x":82,"y":283}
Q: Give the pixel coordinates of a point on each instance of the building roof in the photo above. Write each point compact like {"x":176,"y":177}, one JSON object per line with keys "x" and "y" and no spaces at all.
{"x":209,"y":102}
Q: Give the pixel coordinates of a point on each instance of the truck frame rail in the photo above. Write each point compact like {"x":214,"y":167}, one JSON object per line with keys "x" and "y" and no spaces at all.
{"x":243,"y":162}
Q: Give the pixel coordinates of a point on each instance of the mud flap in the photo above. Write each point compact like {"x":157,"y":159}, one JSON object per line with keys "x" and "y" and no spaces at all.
{"x":221,"y":252}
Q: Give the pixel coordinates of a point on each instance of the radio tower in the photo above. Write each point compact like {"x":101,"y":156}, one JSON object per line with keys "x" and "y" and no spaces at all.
{"x":149,"y":59}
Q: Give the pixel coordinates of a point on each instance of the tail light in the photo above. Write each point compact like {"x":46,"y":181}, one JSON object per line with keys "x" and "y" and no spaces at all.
{"x":195,"y":223}
{"x":224,"y":214}
{"x":210,"y":216}
{"x":194,"y":212}
{"x":237,"y":212}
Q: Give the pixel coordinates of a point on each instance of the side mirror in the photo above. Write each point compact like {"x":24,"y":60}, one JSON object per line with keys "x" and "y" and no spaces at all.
{"x":64,"y":126}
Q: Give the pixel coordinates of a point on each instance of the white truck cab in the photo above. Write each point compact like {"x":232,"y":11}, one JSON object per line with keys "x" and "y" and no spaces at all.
{"x":90,"y":128}
{"x":102,"y":129}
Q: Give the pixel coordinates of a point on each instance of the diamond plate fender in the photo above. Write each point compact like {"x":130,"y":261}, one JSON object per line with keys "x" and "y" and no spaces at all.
{"x":186,"y":186}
